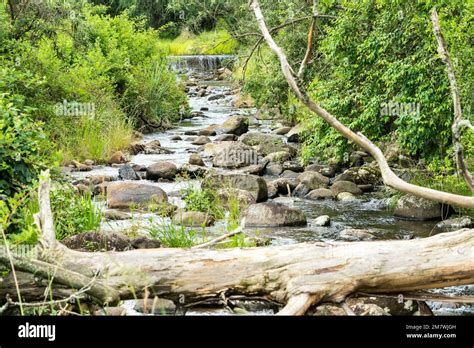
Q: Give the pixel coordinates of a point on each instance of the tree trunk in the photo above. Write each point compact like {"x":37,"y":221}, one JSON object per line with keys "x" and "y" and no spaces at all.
{"x":300,"y":275}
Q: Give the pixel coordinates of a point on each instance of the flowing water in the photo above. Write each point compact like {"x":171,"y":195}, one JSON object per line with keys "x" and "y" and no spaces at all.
{"x":371,"y":212}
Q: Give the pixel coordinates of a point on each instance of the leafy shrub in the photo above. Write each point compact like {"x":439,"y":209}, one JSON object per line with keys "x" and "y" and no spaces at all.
{"x":73,"y":213}
{"x":203,"y":200}
{"x":173,"y":236}
{"x":24,"y":147}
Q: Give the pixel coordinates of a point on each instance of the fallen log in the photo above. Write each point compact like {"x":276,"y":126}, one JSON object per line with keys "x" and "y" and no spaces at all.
{"x":300,"y":275}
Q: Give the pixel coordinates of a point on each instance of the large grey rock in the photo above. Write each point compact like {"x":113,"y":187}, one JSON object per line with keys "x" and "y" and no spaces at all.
{"x":201,"y":140}
{"x":326,"y":170}
{"x":273,"y":215}
{"x":236,"y":125}
{"x":345,"y":186}
{"x":122,"y":195}
{"x":161,"y":170}
{"x":196,"y":160}
{"x":251,"y":183}
{"x":244,"y":198}
{"x":234,"y":155}
{"x":353,"y":235}
{"x":278,"y":157}
{"x":127,"y":173}
{"x":193,"y":218}
{"x":295,"y":133}
{"x":266,"y":144}
{"x":361,"y":176}
{"x":312,"y":180}
{"x":94,"y":241}
{"x":321,"y":193}
{"x":414,"y":208}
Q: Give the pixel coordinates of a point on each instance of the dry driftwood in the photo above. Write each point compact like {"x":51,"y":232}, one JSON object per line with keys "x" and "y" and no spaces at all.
{"x":388,"y":176}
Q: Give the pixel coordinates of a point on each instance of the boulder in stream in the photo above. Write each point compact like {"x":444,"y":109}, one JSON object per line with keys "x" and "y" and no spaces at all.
{"x":414,"y":208}
{"x":122,"y":195}
{"x":251,"y":183}
{"x":272,"y":214}
{"x":236,"y":125}
{"x":161,"y":170}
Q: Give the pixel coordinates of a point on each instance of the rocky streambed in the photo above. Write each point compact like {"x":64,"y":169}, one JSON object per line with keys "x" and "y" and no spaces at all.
{"x":241,"y":153}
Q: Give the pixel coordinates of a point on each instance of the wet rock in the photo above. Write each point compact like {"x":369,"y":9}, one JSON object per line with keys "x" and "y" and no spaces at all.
{"x":312,"y":180}
{"x":391,"y":306}
{"x":204,"y":108}
{"x":278,"y":157}
{"x":251,"y":183}
{"x":354,"y":235}
{"x":414,"y":208}
{"x":234,"y":155}
{"x":122,"y":195}
{"x":236,"y":125}
{"x":368,"y":309}
{"x":176,"y":138}
{"x":139,"y":167}
{"x":244,"y":198}
{"x":345,"y":186}
{"x":273,"y":169}
{"x":208,"y":131}
{"x":289,"y":174}
{"x":193,"y":171}
{"x":201,"y":140}
{"x":346,"y":197}
{"x":193,"y":218}
{"x":161,"y":170}
{"x":155,"y":306}
{"x":79,"y":167}
{"x":145,"y":243}
{"x":111,"y":214}
{"x":321,"y":221}
{"x":226,"y":137}
{"x":301,"y":190}
{"x":272,"y":189}
{"x":99,"y":179}
{"x":282,"y":130}
{"x":361,"y":176}
{"x":117,"y":158}
{"x":100,"y":189}
{"x":136,"y":147}
{"x":189,"y":132}
{"x":293,"y":166}
{"x":321,"y":193}
{"x":366,"y":188}
{"x":89,"y":162}
{"x":455,"y":224}
{"x":326,"y":170}
{"x":255,"y":169}
{"x":93,"y":241}
{"x":196,"y":159}
{"x":266,"y":144}
{"x":272,"y":214}
{"x":295,"y":133}
{"x":127,"y":173}
{"x":216,"y":97}
{"x":283,"y":184}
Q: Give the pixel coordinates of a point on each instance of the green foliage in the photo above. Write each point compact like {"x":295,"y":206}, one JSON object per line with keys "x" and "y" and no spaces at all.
{"x":24,"y":147}
{"x":203,"y":200}
{"x":173,"y":236}
{"x":211,"y":42}
{"x":391,"y":57}
{"x":73,"y":213}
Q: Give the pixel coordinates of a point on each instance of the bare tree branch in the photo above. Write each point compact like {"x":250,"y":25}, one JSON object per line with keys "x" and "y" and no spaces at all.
{"x":458,"y":150}
{"x":388,"y":176}
{"x":311,"y":35}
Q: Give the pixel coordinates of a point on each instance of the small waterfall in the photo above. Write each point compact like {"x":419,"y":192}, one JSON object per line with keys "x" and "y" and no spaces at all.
{"x":199,"y":63}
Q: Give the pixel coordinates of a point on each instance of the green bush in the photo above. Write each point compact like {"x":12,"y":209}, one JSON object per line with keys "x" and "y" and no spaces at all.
{"x":203,"y":200}
{"x":173,"y":236}
{"x":24,"y":147}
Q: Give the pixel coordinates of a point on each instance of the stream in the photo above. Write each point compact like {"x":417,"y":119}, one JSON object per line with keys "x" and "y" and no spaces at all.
{"x":369,"y":212}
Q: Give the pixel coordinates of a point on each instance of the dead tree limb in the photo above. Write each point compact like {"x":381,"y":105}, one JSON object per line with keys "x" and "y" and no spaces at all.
{"x":388,"y":176}
{"x":311,"y":36}
{"x":456,"y":127}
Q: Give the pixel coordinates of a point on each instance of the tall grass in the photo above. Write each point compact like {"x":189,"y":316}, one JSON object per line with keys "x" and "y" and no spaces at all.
{"x":173,"y":236}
